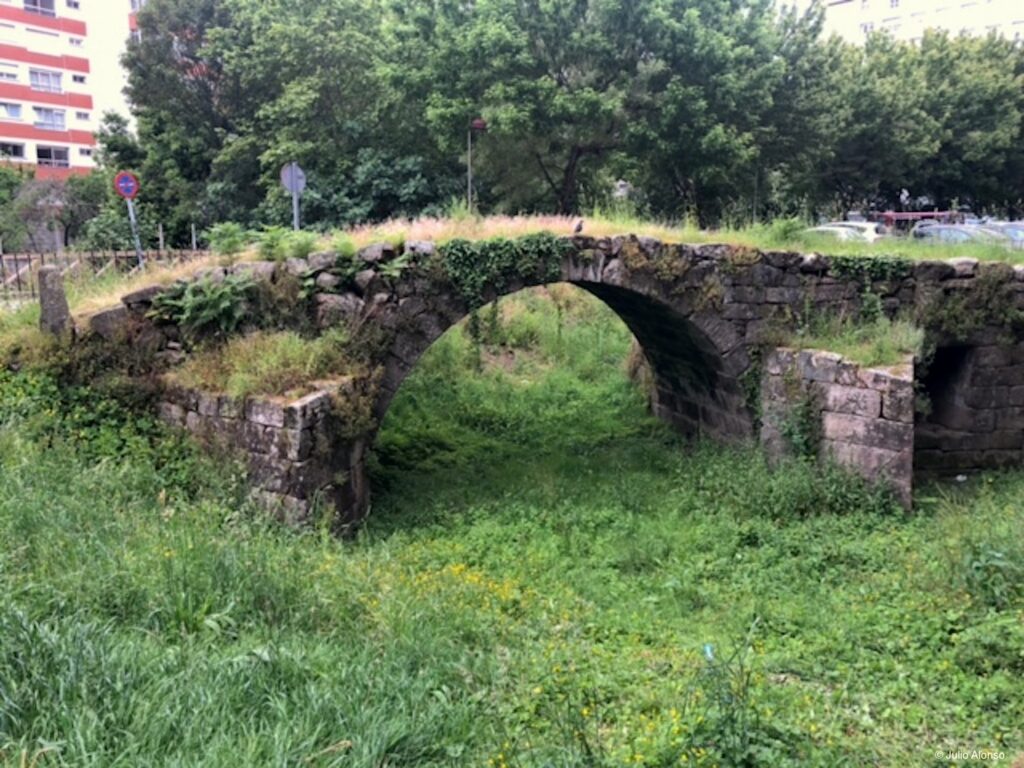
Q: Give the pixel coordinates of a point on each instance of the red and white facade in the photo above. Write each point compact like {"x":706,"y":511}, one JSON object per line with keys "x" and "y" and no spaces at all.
{"x":59,"y":72}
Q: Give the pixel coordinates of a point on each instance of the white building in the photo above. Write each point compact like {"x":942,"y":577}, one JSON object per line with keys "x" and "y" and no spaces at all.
{"x":908,"y":19}
{"x":60,"y":71}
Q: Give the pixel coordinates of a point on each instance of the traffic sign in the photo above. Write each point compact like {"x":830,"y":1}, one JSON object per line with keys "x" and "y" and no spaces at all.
{"x":126,"y":185}
{"x":293,"y":178}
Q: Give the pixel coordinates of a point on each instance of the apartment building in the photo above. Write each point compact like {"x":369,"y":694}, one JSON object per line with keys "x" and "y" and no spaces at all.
{"x":59,"y":72}
{"x":854,"y":20}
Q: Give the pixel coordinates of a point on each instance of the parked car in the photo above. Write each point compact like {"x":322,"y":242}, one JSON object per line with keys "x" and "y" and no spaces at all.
{"x":958,"y":233}
{"x":861,"y":231}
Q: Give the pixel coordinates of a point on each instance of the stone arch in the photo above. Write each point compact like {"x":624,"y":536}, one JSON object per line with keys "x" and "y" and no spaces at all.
{"x":696,"y":359}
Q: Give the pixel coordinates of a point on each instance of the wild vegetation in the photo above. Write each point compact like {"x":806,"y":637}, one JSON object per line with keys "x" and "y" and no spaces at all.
{"x":718,"y":112}
{"x":548,"y":577}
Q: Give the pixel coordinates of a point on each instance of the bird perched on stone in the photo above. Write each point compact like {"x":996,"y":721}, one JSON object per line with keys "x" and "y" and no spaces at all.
{"x":579,"y":227}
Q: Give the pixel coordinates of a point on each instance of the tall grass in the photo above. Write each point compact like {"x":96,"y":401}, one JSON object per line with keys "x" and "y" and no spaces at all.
{"x":548,"y":577}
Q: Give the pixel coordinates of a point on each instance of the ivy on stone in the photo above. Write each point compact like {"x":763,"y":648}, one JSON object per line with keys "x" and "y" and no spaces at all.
{"x":493,"y":265}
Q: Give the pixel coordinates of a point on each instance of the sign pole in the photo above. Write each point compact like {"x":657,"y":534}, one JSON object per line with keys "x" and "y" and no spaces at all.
{"x":135,"y":232}
{"x":293,"y":178}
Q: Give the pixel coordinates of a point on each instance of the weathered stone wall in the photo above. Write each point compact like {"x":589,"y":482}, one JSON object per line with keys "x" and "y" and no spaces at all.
{"x":861,"y":418}
{"x":702,"y":315}
{"x":974,"y":410}
{"x":295,"y":451}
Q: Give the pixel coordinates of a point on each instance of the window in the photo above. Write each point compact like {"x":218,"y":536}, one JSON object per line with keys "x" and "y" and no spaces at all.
{"x":53,"y":157}
{"x":81,"y":115}
{"x":867,"y":28}
{"x":8,"y":72}
{"x":41,"y":80}
{"x":78,"y":78}
{"x":85,"y":151}
{"x":50,"y":119}
{"x":76,"y":42}
{"x":44,"y":7}
{"x":136,"y":36}
{"x":73,"y":4}
{"x":138,"y":4}
{"x":894,"y":3}
{"x":10,"y":111}
{"x":12,"y":150}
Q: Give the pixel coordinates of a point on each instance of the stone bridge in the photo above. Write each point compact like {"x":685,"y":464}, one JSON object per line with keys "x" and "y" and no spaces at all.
{"x":715,"y":323}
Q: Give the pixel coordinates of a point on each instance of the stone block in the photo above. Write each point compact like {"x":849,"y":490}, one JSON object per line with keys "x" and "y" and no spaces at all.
{"x":208,"y":404}
{"x":873,"y":433}
{"x":965,"y":419}
{"x":292,"y":444}
{"x":296,"y":267}
{"x":1012,"y":375}
{"x":230,"y":407}
{"x":142,"y":297}
{"x":326,"y":281}
{"x":852,"y":400}
{"x":815,"y":365}
{"x":420,"y":247}
{"x":333,"y":309}
{"x":322,"y":260}
{"x":780,"y":295}
{"x":372,"y":254}
{"x":963,"y":267}
{"x":989,"y":397}
{"x":307,"y":411}
{"x":257,"y":270}
{"x":898,"y":402}
{"x":171,"y":413}
{"x":363,"y":280}
{"x":933,"y":271}
{"x":110,"y":324}
{"x":895,"y":468}
{"x":264,"y":412}
{"x":993,"y":357}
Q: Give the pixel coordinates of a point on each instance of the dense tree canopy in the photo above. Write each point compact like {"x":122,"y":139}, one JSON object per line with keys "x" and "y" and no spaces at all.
{"x":720,"y":109}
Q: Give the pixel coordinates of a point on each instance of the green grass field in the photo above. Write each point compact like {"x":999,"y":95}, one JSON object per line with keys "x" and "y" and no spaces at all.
{"x":548,"y":578}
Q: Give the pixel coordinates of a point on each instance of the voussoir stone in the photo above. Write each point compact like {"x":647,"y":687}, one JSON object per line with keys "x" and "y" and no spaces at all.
{"x":372,"y":254}
{"x":332,"y":309}
{"x":325,"y":281}
{"x":322,"y":260}
{"x":258,"y":270}
{"x":363,"y":279}
{"x":296,"y":267}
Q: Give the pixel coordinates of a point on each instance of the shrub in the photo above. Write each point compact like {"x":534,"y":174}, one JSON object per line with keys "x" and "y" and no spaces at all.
{"x":271,"y":242}
{"x":298,"y":245}
{"x":227,"y":238}
{"x":204,"y":308}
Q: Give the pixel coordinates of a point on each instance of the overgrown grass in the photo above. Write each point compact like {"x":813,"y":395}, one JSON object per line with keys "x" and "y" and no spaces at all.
{"x":548,"y":577}
{"x":267,"y":363}
{"x":880,"y":342}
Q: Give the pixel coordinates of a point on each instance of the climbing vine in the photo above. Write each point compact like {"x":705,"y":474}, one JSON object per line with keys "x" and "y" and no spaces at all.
{"x":870,"y":269}
{"x":476,"y":267}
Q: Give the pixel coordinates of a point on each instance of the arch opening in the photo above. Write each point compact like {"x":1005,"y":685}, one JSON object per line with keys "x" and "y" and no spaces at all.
{"x":694,"y":389}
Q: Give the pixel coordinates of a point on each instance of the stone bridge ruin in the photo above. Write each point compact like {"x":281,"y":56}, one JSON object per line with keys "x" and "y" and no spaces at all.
{"x":711,"y":319}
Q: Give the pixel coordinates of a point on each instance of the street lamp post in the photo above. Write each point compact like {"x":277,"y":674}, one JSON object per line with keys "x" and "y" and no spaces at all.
{"x":478,"y":125}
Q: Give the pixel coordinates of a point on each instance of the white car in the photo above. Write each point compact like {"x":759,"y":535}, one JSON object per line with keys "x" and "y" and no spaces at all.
{"x":868,"y":231}
{"x":839,"y":233}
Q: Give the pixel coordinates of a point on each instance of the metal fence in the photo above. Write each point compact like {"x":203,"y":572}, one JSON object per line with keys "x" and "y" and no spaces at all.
{"x":19,"y":272}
